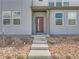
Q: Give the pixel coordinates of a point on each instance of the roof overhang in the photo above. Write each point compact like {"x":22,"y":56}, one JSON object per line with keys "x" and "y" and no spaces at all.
{"x":44,"y":8}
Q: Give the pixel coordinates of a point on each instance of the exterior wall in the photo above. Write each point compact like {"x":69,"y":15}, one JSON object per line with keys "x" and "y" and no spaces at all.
{"x":25,"y":28}
{"x":17,"y":5}
{"x":71,"y":2}
{"x":63,"y":29}
{"x":40,"y":3}
{"x":0,"y":18}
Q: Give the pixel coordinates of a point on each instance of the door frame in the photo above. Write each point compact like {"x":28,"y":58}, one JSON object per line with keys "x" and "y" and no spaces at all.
{"x":39,"y":27}
{"x":38,"y":14}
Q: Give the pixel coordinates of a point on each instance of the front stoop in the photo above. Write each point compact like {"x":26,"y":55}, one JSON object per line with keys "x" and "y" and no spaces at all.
{"x":39,"y":54}
{"x":39,"y":49}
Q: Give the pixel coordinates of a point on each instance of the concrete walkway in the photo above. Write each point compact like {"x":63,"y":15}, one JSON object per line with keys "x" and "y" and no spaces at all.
{"x":39,"y":49}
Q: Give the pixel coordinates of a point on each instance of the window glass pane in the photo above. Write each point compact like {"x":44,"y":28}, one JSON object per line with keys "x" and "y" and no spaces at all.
{"x":16,"y":21}
{"x":72,"y":18}
{"x":6,"y":21}
{"x":72,"y":15}
{"x":16,"y":14}
{"x":66,"y":3}
{"x":58,"y":4}
{"x":58,"y":21}
{"x":58,"y":15}
{"x":51,"y":4}
{"x":72,"y":22}
{"x":40,"y":0}
{"x":6,"y":16}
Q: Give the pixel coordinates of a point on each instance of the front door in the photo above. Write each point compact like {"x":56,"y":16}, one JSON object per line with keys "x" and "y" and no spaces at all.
{"x":39,"y":24}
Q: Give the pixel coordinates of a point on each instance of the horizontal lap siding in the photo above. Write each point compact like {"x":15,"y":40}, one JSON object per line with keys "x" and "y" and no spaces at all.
{"x":63,"y":29}
{"x":18,"y":5}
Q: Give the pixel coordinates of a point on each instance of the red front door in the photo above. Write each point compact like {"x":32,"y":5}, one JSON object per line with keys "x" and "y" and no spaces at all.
{"x":39,"y":24}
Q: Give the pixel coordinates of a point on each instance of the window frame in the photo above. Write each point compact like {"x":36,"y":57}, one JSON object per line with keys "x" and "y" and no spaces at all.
{"x":58,"y":2}
{"x":75,"y":19}
{"x":16,"y":17}
{"x":53,"y":5}
{"x":64,"y":4}
{"x":3,"y":12}
{"x":40,"y":0}
{"x":59,"y":18}
{"x":15,"y":22}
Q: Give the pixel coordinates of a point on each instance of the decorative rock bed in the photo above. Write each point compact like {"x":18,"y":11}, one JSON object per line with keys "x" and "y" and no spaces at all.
{"x":64,"y":47}
{"x":15,"y":47}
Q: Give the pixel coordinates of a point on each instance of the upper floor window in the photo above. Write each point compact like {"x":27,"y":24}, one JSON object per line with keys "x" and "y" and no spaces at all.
{"x":72,"y":16}
{"x":59,"y":18}
{"x":65,"y":3}
{"x":58,"y":4}
{"x":40,"y":0}
{"x":51,"y":4}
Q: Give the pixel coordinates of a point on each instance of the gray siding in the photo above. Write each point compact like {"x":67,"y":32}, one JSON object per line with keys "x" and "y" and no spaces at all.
{"x":0,"y":17}
{"x":63,"y":29}
{"x":71,"y":2}
{"x":17,"y":5}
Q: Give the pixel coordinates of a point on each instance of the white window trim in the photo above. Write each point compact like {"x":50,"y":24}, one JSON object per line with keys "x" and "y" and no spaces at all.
{"x":68,"y":19}
{"x":63,"y":3}
{"x":62,"y":19}
{"x":56,"y":2}
{"x":11,"y":19}
{"x":15,"y":18}
{"x":4,"y":18}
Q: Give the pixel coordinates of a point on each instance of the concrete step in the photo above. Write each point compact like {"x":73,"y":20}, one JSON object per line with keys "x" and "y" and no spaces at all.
{"x":39,"y":42}
{"x":39,"y":47}
{"x":40,"y":35}
{"x":40,"y":38}
{"x":39,"y":54}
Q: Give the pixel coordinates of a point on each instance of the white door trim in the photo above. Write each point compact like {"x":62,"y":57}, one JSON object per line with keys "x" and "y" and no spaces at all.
{"x":39,"y":14}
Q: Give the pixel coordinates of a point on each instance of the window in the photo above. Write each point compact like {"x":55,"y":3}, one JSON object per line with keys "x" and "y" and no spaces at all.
{"x":51,"y":4}
{"x":72,"y":18}
{"x":16,"y":21}
{"x":66,"y":3}
{"x":58,"y":4}
{"x":59,"y":18}
{"x":40,"y":0}
{"x":6,"y":16}
{"x":6,"y":21}
{"x":16,"y":17}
